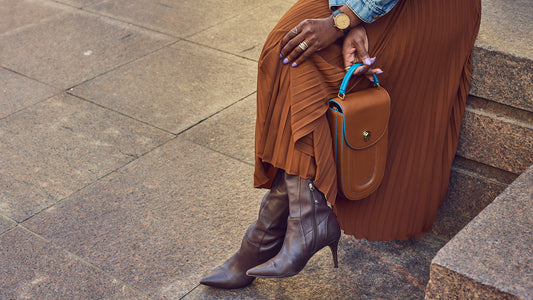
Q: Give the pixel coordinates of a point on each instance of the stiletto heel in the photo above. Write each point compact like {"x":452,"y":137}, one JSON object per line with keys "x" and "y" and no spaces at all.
{"x":333,"y":246}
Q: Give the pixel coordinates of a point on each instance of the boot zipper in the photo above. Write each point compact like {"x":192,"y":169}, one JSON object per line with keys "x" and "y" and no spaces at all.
{"x":315,"y":227}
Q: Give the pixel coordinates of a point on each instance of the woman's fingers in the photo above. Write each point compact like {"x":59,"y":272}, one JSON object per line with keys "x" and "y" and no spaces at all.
{"x":290,"y":35}
{"x":307,"y":38}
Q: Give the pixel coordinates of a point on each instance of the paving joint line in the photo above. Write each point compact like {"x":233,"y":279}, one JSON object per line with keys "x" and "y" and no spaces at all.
{"x":214,"y":114}
{"x":84,"y":261}
{"x":64,"y":199}
{"x":121,"y":113}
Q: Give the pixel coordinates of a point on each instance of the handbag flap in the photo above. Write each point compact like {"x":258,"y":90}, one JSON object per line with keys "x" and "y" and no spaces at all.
{"x":366,"y":116}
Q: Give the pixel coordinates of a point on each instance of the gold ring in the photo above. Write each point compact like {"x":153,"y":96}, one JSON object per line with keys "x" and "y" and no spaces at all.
{"x":303,"y":45}
{"x":294,"y":30}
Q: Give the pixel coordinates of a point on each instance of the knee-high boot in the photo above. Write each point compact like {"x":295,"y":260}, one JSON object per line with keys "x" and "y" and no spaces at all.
{"x":311,"y":226}
{"x":262,"y":240}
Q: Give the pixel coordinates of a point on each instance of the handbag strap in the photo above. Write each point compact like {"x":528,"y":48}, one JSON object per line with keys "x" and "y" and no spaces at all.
{"x":347,"y":77}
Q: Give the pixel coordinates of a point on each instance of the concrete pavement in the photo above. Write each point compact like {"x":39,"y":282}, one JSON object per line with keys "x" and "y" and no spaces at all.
{"x":126,"y":141}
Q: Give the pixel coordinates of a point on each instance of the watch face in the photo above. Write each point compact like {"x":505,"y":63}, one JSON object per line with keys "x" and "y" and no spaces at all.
{"x":342,"y":21}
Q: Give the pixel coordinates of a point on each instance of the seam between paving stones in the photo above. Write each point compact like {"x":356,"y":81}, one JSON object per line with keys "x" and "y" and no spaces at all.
{"x":84,"y":261}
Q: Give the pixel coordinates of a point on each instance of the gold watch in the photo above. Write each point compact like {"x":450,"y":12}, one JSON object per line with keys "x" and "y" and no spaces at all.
{"x":341,"y":21}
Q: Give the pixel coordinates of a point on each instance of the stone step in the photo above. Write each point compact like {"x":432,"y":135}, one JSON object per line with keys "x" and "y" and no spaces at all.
{"x":491,"y":258}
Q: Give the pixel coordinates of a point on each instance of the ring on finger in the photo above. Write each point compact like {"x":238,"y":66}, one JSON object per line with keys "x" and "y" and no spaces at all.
{"x":303,"y":45}
{"x":294,"y":30}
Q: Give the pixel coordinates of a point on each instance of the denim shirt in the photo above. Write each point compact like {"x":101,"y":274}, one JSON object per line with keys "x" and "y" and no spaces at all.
{"x":367,"y":10}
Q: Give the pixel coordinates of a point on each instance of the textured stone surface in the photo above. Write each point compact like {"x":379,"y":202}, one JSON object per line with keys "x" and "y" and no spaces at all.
{"x":174,"y":88}
{"x":472,"y":187}
{"x":18,"y":92}
{"x":506,"y":27}
{"x":494,"y":250}
{"x":497,"y":135}
{"x":161,"y":222}
{"x":503,"y":66}
{"x":19,"y":13}
{"x":235,"y":35}
{"x":232,"y":131}
{"x":31,"y":268}
{"x":73,"y":47}
{"x":502,"y":78}
{"x":59,"y":146}
{"x":446,"y":284}
{"x":403,"y":269}
{"x":177,"y":18}
{"x":5,"y":224}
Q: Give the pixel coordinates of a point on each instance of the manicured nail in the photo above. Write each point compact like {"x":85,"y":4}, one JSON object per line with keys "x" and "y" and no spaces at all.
{"x":367,"y":61}
{"x":372,"y":60}
{"x":280,"y":56}
{"x":379,"y":72}
{"x":362,"y":69}
{"x":293,"y":65}
{"x":285,"y":61}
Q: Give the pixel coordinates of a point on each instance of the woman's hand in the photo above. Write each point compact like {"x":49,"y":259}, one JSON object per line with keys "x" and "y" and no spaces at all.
{"x":355,"y":50}
{"x":306,"y":38}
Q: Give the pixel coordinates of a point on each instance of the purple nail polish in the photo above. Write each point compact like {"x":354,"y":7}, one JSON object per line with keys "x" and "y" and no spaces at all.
{"x":293,"y":65}
{"x":379,"y":72}
{"x":367,"y":61}
{"x":372,"y":60}
{"x":280,"y":56}
{"x":362,"y":69}
{"x":285,"y":61}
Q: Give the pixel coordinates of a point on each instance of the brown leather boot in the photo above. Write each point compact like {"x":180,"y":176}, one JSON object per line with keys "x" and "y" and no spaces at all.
{"x":262,"y":240}
{"x":312,"y":225}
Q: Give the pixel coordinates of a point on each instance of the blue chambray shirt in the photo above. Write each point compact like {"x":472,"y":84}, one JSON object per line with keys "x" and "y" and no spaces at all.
{"x":366,"y":10}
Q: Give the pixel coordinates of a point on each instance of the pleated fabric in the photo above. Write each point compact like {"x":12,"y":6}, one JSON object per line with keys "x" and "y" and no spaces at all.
{"x":425,"y":49}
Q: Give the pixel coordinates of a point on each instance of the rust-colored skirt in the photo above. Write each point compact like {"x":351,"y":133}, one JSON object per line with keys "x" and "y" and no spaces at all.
{"x":425,"y":49}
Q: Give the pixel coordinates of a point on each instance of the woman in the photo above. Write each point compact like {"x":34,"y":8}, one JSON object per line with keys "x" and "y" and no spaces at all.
{"x":424,"y":51}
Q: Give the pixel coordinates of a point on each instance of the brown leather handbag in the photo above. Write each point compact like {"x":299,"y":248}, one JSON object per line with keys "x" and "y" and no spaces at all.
{"x":359,"y":127}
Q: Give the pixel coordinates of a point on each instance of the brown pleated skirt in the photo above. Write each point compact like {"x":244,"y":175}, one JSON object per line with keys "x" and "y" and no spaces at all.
{"x":425,"y":49}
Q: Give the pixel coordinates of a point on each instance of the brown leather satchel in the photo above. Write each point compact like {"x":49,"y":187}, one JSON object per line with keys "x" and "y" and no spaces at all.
{"x":359,"y":127}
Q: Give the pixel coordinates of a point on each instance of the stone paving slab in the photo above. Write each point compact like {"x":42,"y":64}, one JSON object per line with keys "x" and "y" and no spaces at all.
{"x":75,"y":46}
{"x":161,"y":222}
{"x":32,"y":268}
{"x":232,"y":131}
{"x":403,"y":269}
{"x":175,"y":17}
{"x":174,"y":88}
{"x":18,"y":92}
{"x":245,"y":34}
{"x":59,"y":146}
{"x":18,"y":13}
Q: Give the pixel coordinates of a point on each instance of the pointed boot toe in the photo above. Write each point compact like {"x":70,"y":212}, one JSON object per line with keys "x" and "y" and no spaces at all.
{"x":266,"y":270}
{"x":219,"y":278}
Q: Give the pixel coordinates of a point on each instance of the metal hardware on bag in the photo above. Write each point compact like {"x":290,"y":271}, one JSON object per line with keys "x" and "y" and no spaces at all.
{"x":311,"y":187}
{"x":341,"y":96}
{"x":366,"y":136}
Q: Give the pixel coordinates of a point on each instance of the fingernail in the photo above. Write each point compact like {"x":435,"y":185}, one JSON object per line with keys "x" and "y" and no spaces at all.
{"x":293,"y":65}
{"x":379,"y":72}
{"x":285,"y":61}
{"x":362,"y":69}
{"x":280,"y":56}
{"x":372,"y":60}
{"x":367,"y":61}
